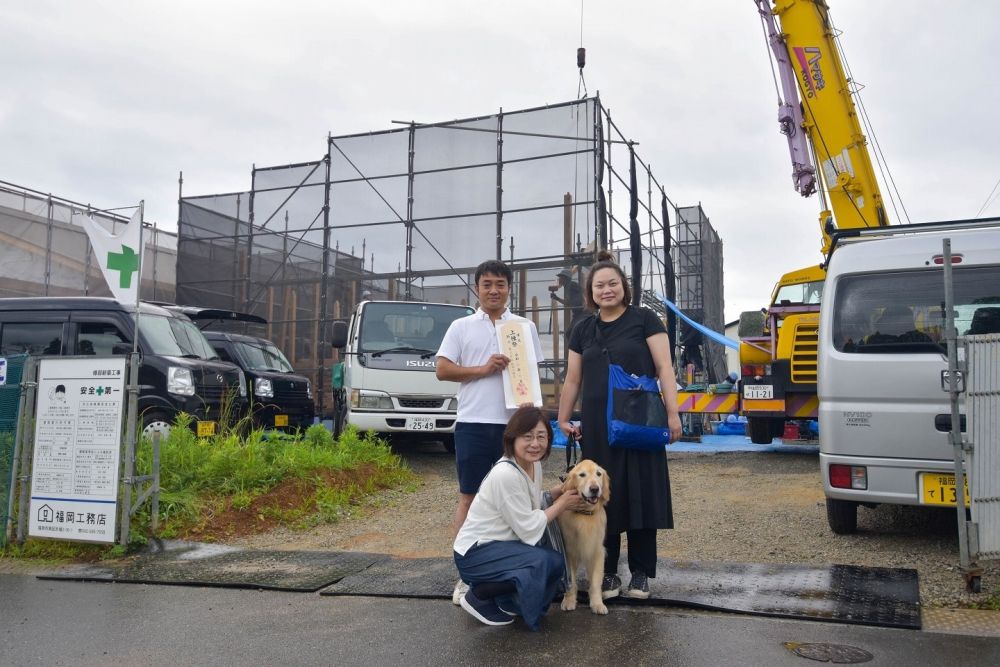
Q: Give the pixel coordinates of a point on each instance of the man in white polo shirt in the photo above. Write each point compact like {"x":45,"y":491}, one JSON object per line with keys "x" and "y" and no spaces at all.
{"x":470,"y":354}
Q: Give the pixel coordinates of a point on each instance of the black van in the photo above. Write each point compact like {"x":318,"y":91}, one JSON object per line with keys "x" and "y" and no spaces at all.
{"x":278,"y":397}
{"x":179,"y":370}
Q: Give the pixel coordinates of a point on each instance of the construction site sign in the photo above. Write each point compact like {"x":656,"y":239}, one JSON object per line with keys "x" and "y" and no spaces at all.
{"x":74,"y":477}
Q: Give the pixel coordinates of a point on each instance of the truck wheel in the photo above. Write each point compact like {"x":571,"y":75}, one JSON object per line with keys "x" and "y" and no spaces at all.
{"x":155,"y":421}
{"x":842,"y":515}
{"x":759,"y":429}
{"x":449,"y":443}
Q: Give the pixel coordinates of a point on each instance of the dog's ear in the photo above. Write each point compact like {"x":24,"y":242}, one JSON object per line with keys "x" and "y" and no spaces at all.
{"x":606,"y":486}
{"x":570,"y":482}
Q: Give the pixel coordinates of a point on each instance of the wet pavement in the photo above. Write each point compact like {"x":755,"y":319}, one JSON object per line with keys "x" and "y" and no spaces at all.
{"x":77,"y":623}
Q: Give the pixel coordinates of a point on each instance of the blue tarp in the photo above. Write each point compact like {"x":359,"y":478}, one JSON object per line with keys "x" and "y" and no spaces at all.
{"x":713,"y":335}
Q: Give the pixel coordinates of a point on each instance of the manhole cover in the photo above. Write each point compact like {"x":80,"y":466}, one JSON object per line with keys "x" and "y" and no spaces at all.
{"x":839,"y":654}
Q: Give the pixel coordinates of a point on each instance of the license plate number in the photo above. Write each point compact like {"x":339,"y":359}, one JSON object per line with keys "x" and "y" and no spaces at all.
{"x":939,"y":489}
{"x":205,"y":429}
{"x":420,"y":423}
{"x":281,"y":420}
{"x":758,"y":391}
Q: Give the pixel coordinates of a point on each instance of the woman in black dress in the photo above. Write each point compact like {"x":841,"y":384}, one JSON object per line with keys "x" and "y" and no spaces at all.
{"x":633,"y":338}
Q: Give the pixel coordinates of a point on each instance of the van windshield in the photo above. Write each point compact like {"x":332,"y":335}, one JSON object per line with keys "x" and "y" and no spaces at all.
{"x":406,"y":326}
{"x":903,"y":311}
{"x":262,"y":356}
{"x":174,"y":337}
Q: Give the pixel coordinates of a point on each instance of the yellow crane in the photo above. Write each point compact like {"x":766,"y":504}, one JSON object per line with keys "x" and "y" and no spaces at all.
{"x":818,"y":117}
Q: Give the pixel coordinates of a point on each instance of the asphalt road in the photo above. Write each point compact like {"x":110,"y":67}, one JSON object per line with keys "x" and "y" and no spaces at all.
{"x":80,"y":624}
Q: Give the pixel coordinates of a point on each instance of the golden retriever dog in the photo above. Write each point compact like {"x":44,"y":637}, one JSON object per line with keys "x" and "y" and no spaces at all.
{"x":583,"y":532}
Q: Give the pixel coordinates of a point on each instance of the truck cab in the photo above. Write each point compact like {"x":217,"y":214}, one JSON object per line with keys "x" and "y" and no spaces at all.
{"x":387,"y":381}
{"x":778,"y":365}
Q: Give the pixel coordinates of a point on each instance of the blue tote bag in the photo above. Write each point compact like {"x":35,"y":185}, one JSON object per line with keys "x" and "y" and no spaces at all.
{"x":637,"y":418}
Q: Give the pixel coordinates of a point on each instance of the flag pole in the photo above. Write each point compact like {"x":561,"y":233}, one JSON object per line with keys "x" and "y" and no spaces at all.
{"x":131,"y":418}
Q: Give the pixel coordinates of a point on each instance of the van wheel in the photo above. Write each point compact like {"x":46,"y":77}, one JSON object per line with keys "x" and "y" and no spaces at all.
{"x":760,"y":430}
{"x":842,"y":515}
{"x":449,"y":443}
{"x":155,"y":422}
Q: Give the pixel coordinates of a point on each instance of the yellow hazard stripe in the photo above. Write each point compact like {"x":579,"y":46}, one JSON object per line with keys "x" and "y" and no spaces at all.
{"x":803,"y":407}
{"x":763,"y":405}
{"x":709,"y":403}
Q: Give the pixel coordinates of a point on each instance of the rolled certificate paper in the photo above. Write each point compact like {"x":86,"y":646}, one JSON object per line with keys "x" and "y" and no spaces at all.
{"x":520,"y":378}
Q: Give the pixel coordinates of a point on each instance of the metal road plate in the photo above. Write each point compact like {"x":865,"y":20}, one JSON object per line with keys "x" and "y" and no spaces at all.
{"x":832,"y":593}
{"x":299,"y":571}
{"x":401,"y":577}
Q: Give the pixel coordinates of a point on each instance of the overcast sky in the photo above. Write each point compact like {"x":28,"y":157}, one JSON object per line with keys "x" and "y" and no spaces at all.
{"x":105,"y":102}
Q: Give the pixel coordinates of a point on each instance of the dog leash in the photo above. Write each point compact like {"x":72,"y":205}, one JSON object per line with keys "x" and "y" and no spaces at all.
{"x":571,"y":458}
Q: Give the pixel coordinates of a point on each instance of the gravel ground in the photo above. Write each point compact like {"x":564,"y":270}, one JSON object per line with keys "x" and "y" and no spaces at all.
{"x":741,"y":507}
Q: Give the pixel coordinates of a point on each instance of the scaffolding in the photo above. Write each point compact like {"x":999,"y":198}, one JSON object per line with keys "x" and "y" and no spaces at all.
{"x":408,"y":213}
{"x":699,"y":269}
{"x":45,"y":252}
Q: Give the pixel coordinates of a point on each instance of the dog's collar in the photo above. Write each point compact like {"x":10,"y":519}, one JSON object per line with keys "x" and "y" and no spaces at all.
{"x":588,"y":513}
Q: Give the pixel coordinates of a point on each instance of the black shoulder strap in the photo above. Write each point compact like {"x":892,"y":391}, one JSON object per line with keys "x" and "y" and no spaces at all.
{"x":599,"y":339}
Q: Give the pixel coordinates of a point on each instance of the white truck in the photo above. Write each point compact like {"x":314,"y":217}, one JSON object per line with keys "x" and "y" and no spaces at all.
{"x":885,"y":419}
{"x":386,"y":382}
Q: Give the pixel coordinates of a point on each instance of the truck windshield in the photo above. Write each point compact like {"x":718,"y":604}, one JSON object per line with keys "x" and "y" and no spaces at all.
{"x":801,"y":294}
{"x":174,"y":337}
{"x":902,"y":312}
{"x":407,"y":327}
{"x":262,"y":356}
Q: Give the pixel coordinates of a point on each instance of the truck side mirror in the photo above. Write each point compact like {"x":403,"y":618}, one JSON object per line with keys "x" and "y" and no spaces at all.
{"x":338,"y":338}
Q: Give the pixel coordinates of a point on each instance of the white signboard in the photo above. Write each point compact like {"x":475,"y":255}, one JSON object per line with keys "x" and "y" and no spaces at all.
{"x":521,"y":383}
{"x":3,"y":371}
{"x":74,"y":479}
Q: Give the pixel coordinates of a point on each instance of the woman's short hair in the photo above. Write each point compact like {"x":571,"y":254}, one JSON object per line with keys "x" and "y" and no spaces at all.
{"x":524,"y":419}
{"x":605,"y":260}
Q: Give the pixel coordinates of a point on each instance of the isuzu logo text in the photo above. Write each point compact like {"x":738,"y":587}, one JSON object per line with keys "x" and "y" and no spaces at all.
{"x":422,"y":363}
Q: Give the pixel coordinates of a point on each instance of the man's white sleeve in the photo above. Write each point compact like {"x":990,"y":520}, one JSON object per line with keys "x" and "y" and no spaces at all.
{"x":451,"y":344}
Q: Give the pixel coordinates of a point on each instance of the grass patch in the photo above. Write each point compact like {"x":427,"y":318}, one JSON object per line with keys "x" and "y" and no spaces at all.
{"x":230,"y":485}
{"x":992,"y":603}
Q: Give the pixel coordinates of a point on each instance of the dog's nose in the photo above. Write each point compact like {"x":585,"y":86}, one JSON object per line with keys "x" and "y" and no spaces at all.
{"x":594,"y":488}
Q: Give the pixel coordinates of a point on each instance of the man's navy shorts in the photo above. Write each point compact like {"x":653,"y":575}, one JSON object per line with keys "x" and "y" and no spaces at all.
{"x":477,"y":448}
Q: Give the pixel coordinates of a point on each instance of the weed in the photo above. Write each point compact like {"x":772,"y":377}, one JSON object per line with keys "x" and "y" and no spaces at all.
{"x":203,"y":479}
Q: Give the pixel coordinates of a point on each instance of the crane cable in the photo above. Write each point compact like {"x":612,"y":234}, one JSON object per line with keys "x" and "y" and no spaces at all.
{"x":770,"y":59}
{"x":990,"y":198}
{"x":880,"y":159}
{"x":580,"y":63}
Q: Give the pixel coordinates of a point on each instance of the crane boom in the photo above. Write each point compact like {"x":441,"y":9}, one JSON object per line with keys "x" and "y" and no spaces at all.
{"x":779,"y":360}
{"x":806,"y":51}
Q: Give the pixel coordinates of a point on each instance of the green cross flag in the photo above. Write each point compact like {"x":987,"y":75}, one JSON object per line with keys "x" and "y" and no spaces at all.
{"x":119,"y":253}
{"x":126,"y":263}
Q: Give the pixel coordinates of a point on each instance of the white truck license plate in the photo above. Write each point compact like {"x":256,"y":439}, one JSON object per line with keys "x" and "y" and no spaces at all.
{"x":420,"y":423}
{"x":763,"y":391}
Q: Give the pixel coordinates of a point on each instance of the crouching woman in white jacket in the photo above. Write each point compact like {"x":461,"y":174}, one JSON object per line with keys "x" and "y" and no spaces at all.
{"x":500,"y":550}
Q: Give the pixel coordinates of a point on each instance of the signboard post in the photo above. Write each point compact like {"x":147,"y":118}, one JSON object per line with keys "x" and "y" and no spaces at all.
{"x":77,"y":453}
